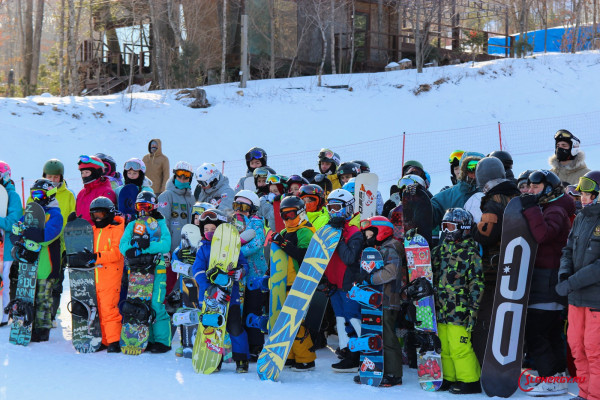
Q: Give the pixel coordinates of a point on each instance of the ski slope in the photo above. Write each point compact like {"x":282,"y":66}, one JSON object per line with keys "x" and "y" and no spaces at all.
{"x":284,"y":116}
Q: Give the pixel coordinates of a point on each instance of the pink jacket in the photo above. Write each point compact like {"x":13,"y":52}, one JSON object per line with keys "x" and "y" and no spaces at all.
{"x":91,"y":191}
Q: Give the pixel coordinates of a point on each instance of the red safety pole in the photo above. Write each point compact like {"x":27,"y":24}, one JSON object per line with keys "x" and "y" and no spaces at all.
{"x":223,"y":167}
{"x":23,"y":191}
{"x":403,"y":146}
{"x":500,"y":134}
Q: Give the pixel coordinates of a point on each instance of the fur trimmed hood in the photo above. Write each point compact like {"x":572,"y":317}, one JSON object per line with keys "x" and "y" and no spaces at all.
{"x":572,"y":171}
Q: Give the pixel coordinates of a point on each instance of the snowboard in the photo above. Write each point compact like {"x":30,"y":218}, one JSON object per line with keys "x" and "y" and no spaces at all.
{"x":370,"y":344}
{"x":279,"y":225}
{"x":190,"y":241}
{"x":417,"y":212}
{"x":137,"y":308}
{"x":277,"y":347}
{"x":87,"y":335}
{"x":365,"y":194}
{"x":3,"y":211}
{"x":395,"y":218}
{"x":209,"y":346}
{"x":277,"y":281}
{"x":504,"y":351}
{"x":127,"y":197}
{"x":429,"y":360}
{"x":22,"y":308}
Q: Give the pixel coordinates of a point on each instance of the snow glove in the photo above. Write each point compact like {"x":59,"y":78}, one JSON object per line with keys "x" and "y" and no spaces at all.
{"x":82,"y":258}
{"x":215,"y":293}
{"x":528,"y":201}
{"x":337,"y":222}
{"x":247,"y":236}
{"x":141,"y":242}
{"x":563,"y":288}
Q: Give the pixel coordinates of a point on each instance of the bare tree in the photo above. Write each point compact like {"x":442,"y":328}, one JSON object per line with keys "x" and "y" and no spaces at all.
{"x":319,"y":14}
{"x":423,"y":15}
{"x":37,"y":39}
{"x":164,"y":46}
{"x":224,"y":42}
{"x":72,"y":49}
{"x":332,"y":34}
{"x":61,"y":48}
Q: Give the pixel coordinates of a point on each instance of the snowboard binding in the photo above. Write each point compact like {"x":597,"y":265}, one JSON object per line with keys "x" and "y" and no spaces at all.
{"x":137,"y":311}
{"x":181,"y":268}
{"x":257,"y":321}
{"x":143,"y":263}
{"x":82,"y":310}
{"x":19,"y":308}
{"x":418,"y":289}
{"x":424,"y":341}
{"x":173,"y":301}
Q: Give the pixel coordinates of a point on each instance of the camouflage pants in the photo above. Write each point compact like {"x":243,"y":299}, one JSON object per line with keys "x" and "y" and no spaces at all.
{"x":43,"y":303}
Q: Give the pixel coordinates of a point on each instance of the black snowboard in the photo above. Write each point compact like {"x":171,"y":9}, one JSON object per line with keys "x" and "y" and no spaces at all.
{"x":504,"y":351}
{"x":416,"y":212}
{"x":87,"y":335}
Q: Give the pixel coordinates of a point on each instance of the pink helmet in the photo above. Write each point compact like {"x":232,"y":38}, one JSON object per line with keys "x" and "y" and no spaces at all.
{"x":4,"y":171}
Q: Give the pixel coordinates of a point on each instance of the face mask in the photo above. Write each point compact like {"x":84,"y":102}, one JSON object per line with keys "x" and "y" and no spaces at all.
{"x":563,"y":154}
{"x":371,"y":242}
{"x":209,"y":235}
{"x":181,"y":185}
{"x":292,"y":223}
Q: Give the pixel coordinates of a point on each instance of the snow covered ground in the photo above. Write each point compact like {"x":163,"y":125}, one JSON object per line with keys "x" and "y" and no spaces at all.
{"x":292,"y":119}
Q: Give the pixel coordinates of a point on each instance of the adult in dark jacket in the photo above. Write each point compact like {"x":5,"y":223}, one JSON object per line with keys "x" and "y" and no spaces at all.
{"x":547,"y":210}
{"x":579,"y":277}
{"x":497,"y":192}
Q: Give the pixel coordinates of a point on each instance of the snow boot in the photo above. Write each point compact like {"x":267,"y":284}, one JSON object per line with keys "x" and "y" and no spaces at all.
{"x":101,"y":348}
{"x":465,"y":388}
{"x":159,"y":348}
{"x":303,"y":367}
{"x":40,"y":335}
{"x":389,"y":380}
{"x":241,"y":366}
{"x":113,"y":347}
{"x":289,"y":363}
{"x":446,"y":386}
{"x":349,"y":364}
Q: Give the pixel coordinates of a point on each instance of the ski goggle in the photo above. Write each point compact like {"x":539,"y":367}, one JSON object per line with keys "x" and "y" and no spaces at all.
{"x":98,"y":214}
{"x":210,"y":215}
{"x":261,"y":171}
{"x":205,"y":184}
{"x":572,"y":190}
{"x":335,"y":207}
{"x":243,"y":207}
{"x":38,"y":194}
{"x":314,"y":190}
{"x":255,"y":155}
{"x":587,"y":185}
{"x":455,"y":156}
{"x":472,"y":165}
{"x":563,"y":135}
{"x":181,"y":173}
{"x":289,"y":214}
{"x":88,"y":159}
{"x":133,"y":165}
{"x":144,"y":207}
{"x":407,"y":181}
{"x":367,"y":224}
{"x":326,"y":153}
{"x":275,"y":180}
{"x":449,"y":226}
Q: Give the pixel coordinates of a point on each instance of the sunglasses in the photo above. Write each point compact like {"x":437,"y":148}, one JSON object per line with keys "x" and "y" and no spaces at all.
{"x":243,"y":207}
{"x":38,"y":194}
{"x":334,"y":207}
{"x":211,"y":216}
{"x":255,"y":155}
{"x":100,"y":214}
{"x":456,"y":156}
{"x":289,"y":214}
{"x":183,"y":174}
{"x":449,"y":226}
{"x":134,"y":165}
{"x":587,"y":185}
{"x":144,"y":207}
{"x":472,"y":165}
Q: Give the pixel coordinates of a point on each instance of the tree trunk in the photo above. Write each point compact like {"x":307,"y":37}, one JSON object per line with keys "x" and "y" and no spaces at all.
{"x":332,"y":35}
{"x":224,"y":43}
{"x":323,"y":55}
{"x":27,"y":47}
{"x":37,"y":39}
{"x":272,"y":39}
{"x":72,"y":50}
{"x":352,"y":36}
{"x":61,"y":48}
{"x":577,"y":23}
{"x":418,"y":39}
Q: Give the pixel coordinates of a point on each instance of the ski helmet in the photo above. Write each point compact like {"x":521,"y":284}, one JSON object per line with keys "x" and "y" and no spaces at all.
{"x":43,"y":191}
{"x":105,"y":205}
{"x":314,"y":192}
{"x":590,"y":183}
{"x":135,"y":164}
{"x":184,"y":168}
{"x":553,"y":187}
{"x":212,"y":216}
{"x":454,"y":161}
{"x":348,"y":168}
{"x":92,"y":164}
{"x":110,"y":166}
{"x":146,"y":202}
{"x":456,"y":224}
{"x":489,"y":169}
{"x":350,"y":186}
{"x":381,"y":227}
{"x":523,"y":178}
{"x":54,"y":167}
{"x":563,"y":135}
{"x":197,"y":209}
{"x":207,"y":174}
{"x":326,"y":155}
{"x":4,"y":172}
{"x":292,"y":211}
{"x":364,"y":167}
{"x":256,"y":153}
{"x":250,"y":196}
{"x":340,"y":203}
{"x":503,"y":156}
{"x":415,"y":166}
{"x":468,"y":163}
{"x":296,"y":179}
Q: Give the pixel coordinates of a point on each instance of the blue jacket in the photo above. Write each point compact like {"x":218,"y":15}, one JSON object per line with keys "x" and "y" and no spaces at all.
{"x":199,"y":272}
{"x":254,"y":249}
{"x":456,"y":196}
{"x":13,"y":214}
{"x":162,"y":246}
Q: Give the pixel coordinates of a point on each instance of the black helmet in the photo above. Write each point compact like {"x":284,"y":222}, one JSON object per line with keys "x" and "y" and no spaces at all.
{"x":292,"y":202}
{"x":503,"y":156}
{"x":103,"y":204}
{"x":364,"y":167}
{"x":296,"y":179}
{"x":456,"y":224}
{"x":212,"y":216}
{"x":524,"y":177}
{"x":146,"y":197}
{"x":488,"y":169}
{"x":553,"y":187}
{"x":348,"y":168}
{"x":256,"y":153}
{"x":43,"y":191}
{"x":110,"y":166}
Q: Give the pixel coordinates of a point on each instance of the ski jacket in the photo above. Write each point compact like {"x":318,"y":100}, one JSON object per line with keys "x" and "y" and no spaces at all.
{"x":580,"y":261}
{"x":318,"y":219}
{"x":157,"y":167}
{"x":344,"y":267}
{"x":299,"y":238}
{"x":109,"y":261}
{"x":266,"y":212}
{"x":488,"y":231}
{"x":176,"y":206}
{"x":456,"y":196}
{"x":550,"y":225}
{"x":572,"y":171}
{"x":458,"y":277}
{"x":254,"y":249}
{"x":202,"y":263}
{"x":115,"y":181}
{"x":156,"y":247}
{"x":221,"y":196}
{"x":241,"y":185}
{"x":91,"y":191}
{"x":14,"y":212}
{"x":393,"y":275}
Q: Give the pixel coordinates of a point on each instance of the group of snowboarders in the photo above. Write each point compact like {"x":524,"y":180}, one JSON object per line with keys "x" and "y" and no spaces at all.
{"x":559,"y":206}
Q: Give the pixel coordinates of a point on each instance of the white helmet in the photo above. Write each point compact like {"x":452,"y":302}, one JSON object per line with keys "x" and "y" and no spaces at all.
{"x":250,"y":195}
{"x":346,"y":199}
{"x":207,"y":173}
{"x":184,"y":166}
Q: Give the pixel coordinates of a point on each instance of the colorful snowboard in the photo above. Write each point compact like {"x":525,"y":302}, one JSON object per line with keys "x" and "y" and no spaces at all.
{"x":504,"y":351}
{"x":209,"y":346}
{"x":87,"y":335}
{"x":137,"y":308}
{"x":3,"y":211}
{"x":365,"y":194}
{"x":277,"y":347}
{"x":23,"y":311}
{"x":277,"y":282}
{"x":370,"y":299}
{"x":396,"y":220}
{"x":429,"y":361}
